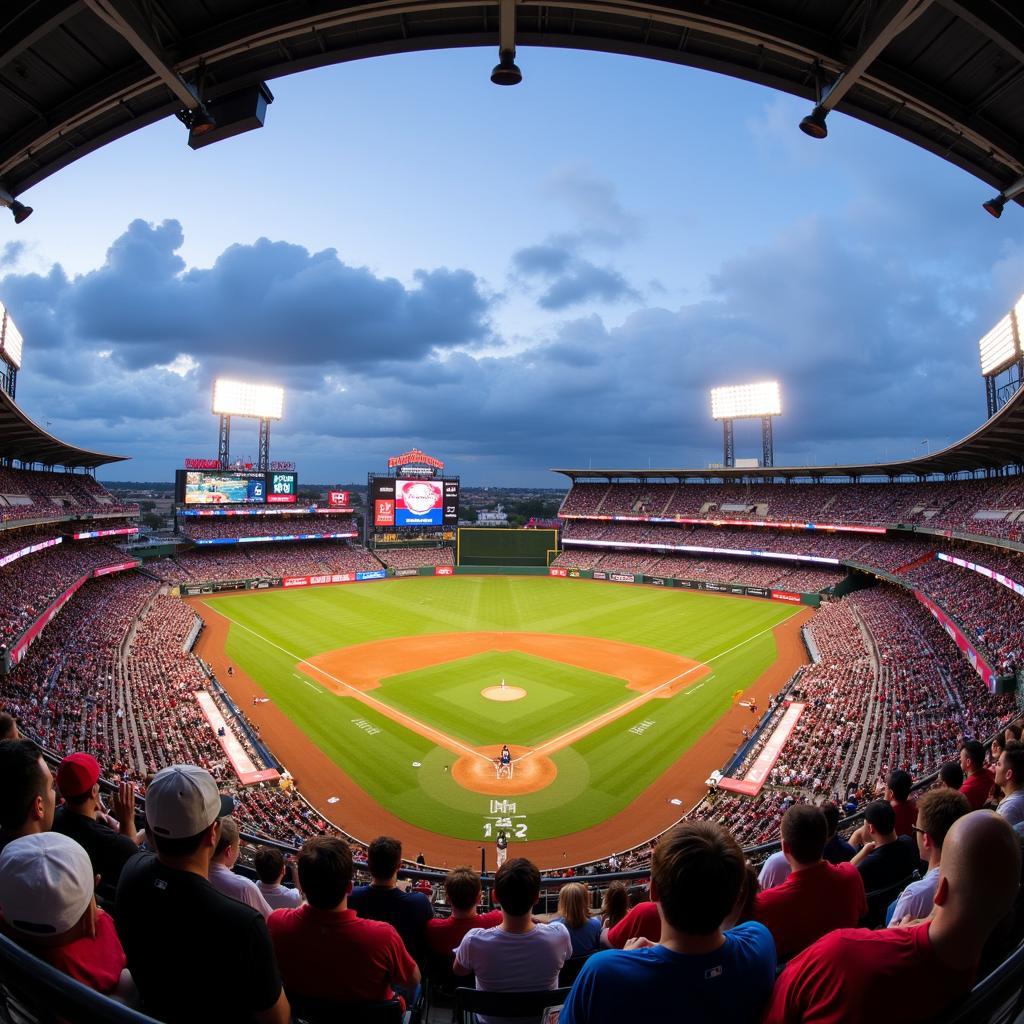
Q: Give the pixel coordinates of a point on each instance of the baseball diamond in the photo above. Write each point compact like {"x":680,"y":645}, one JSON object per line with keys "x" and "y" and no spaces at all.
{"x":375,"y":699}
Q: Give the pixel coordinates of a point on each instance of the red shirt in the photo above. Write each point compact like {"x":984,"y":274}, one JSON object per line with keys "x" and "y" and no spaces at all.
{"x":97,"y":962}
{"x":906,"y":816}
{"x":977,"y":787}
{"x":810,"y":903}
{"x":852,"y":975}
{"x":334,"y":954}
{"x":444,"y":934}
{"x":643,"y":919}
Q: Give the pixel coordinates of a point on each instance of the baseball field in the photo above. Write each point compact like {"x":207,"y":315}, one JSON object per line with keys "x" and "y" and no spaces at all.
{"x":409,"y":688}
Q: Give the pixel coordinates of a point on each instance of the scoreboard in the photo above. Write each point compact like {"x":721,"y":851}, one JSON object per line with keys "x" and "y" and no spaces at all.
{"x":399,"y":503}
{"x":235,"y":487}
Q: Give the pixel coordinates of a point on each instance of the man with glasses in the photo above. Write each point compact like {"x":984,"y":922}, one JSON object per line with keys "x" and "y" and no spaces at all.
{"x":936,"y":812}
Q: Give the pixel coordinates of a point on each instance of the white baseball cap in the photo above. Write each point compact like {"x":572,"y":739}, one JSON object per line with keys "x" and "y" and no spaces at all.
{"x":46,"y":883}
{"x":182,"y":800}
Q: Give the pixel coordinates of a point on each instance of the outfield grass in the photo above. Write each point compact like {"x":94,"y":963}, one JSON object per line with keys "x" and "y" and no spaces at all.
{"x":597,"y":776}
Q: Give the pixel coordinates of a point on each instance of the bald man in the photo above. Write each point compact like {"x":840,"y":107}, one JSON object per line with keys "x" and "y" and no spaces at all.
{"x":914,"y":973}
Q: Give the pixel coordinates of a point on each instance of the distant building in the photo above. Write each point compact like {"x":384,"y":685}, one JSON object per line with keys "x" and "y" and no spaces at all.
{"x":494,"y":517}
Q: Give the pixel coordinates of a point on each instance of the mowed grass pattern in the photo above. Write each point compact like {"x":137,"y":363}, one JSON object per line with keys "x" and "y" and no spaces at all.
{"x":558,"y":697}
{"x":597,"y":776}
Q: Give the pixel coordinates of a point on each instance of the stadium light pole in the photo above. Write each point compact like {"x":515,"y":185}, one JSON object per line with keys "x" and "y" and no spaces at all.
{"x":20,"y":211}
{"x":747,"y":401}
{"x":261,"y":402}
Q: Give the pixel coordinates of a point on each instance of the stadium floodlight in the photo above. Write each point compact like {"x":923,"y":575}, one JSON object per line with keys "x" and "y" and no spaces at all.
{"x":995,"y":205}
{"x":746,"y":401}
{"x":20,"y":211}
{"x":998,"y":348}
{"x":259,"y":401}
{"x":814,"y":124}
{"x":12,"y":341}
{"x":506,"y":71}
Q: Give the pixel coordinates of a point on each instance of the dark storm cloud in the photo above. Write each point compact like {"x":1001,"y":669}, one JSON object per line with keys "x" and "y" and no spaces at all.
{"x":873,"y":356}
{"x":567,"y":279}
{"x":272,"y":303}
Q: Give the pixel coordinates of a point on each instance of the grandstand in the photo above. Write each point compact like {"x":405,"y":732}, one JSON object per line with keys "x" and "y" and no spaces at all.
{"x":915,"y":569}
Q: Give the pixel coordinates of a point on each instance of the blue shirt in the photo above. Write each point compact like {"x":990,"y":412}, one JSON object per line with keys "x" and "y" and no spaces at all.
{"x":585,"y":939}
{"x":730,"y":986}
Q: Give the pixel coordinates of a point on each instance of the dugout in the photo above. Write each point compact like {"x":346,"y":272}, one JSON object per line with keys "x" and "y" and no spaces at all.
{"x":478,"y":545}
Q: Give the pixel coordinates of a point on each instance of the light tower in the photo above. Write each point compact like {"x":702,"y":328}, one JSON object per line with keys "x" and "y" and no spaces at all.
{"x":744,"y":402}
{"x":262,"y":402}
{"x":1002,"y":356}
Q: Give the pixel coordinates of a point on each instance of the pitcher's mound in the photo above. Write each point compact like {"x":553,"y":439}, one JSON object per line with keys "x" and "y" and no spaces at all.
{"x":530,"y":775}
{"x":503,"y":692}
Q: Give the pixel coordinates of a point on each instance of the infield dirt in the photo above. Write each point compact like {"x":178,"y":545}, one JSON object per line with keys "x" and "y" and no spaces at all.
{"x":319,"y":778}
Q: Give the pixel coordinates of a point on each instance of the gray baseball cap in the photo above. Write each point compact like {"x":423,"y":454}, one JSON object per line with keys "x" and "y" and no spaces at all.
{"x":182,"y":800}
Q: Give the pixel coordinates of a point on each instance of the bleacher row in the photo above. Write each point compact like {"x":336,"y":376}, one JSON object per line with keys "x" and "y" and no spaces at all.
{"x":264,"y":526}
{"x":32,"y":494}
{"x":990,"y":507}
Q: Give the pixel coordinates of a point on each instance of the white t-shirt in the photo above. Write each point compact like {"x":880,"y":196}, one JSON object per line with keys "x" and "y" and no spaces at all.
{"x":917,"y":899}
{"x":280,"y":897}
{"x":238,"y":888}
{"x":774,"y":871}
{"x":514,"y":961}
{"x":1012,"y":808}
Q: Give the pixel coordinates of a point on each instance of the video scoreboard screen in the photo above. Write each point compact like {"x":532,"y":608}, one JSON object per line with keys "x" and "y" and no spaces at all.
{"x":235,"y":487}
{"x":414,"y":503}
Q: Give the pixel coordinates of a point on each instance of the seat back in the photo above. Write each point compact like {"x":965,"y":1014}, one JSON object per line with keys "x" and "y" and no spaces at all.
{"x":327,"y":1011}
{"x":997,"y":998}
{"x":506,"y":1004}
{"x":879,"y":900}
{"x":571,"y":968}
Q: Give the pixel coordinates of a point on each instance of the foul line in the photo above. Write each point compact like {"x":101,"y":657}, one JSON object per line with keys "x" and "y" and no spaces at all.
{"x":387,"y":709}
{"x":308,"y":683}
{"x":609,"y":716}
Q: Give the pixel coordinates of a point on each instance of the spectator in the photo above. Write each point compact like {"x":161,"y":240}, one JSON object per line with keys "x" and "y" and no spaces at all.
{"x":270,"y":867}
{"x":697,"y":971}
{"x":27,"y":797}
{"x":175,"y":926}
{"x":1009,"y":777}
{"x":885,"y":858}
{"x":897,"y":792}
{"x":519,"y":955}
{"x":387,"y":899}
{"x":323,"y":948}
{"x":774,"y":871}
{"x":951,"y":775}
{"x":584,"y":930}
{"x":615,"y":904}
{"x":817,"y":897}
{"x":910,"y":974}
{"x":837,"y":849}
{"x":8,"y":727}
{"x":979,"y":779}
{"x":462,"y":889}
{"x":224,"y":879}
{"x":80,"y":818}
{"x":938,"y":809}
{"x":46,"y":894}
{"x":643,"y":921}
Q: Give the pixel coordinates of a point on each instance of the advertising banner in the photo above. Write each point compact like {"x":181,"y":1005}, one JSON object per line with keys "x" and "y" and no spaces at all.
{"x":978,"y":663}
{"x":315,"y":581}
{"x":555,"y":571}
{"x":1017,"y":588}
{"x":372,"y":574}
{"x":282,"y":488}
{"x":120,"y":567}
{"x":407,"y":572}
{"x":382,"y":495}
{"x":622,"y":577}
{"x":444,"y":570}
{"x":451,"y":502}
{"x":785,"y":595}
{"x":574,"y":573}
{"x":691,"y":521}
{"x":658,"y":581}
{"x":338,"y":499}
{"x":29,"y":549}
{"x":600,"y":574}
{"x":765,"y":760}
{"x":30,"y":635}
{"x":275,"y":537}
{"x":103,"y":533}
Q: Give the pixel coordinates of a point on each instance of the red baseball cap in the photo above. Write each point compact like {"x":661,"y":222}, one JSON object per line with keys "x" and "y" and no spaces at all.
{"x":77,"y":774}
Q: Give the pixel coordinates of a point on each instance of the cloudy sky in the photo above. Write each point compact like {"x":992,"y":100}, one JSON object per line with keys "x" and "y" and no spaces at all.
{"x":511,"y":279}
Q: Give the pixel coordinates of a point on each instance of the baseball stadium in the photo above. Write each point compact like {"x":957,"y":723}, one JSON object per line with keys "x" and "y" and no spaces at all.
{"x":692,"y":691}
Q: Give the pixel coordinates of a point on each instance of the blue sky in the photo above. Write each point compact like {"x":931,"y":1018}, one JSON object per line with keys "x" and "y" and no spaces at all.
{"x":512,"y":279}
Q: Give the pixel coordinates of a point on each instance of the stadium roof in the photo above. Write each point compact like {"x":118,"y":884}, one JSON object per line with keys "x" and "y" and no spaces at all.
{"x":947,"y":75}
{"x":997,"y":443}
{"x":25,"y":441}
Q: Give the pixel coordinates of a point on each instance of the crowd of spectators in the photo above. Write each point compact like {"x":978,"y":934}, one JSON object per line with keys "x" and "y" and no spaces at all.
{"x":986,"y":507}
{"x":32,"y":494}
{"x":265,"y":526}
{"x":308,"y":558}
{"x":990,"y":613}
{"x":415,"y":558}
{"x":31,"y":584}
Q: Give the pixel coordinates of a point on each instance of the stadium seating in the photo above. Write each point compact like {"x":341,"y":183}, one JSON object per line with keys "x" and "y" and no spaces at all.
{"x":30,"y":494}
{"x":213,"y":528}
